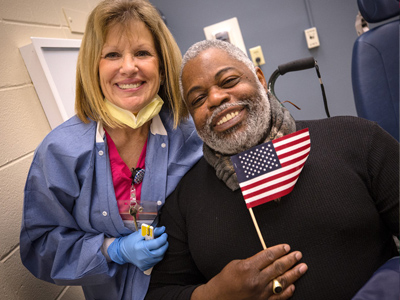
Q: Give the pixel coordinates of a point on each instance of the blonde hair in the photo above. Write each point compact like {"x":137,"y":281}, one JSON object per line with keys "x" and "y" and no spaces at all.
{"x":89,"y":99}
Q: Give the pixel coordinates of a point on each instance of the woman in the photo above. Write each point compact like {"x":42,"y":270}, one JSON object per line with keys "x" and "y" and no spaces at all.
{"x":84,"y":190}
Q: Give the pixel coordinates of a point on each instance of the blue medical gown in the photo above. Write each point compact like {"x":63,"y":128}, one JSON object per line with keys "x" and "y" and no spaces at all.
{"x":70,"y":205}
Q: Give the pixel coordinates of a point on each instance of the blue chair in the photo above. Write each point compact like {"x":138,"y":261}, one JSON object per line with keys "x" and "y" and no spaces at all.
{"x":384,"y":283}
{"x":375,"y":65}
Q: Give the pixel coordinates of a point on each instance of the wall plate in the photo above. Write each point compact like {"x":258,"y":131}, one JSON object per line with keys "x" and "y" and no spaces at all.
{"x":256,"y":52}
{"x":312,"y":37}
{"x":227,"y":30}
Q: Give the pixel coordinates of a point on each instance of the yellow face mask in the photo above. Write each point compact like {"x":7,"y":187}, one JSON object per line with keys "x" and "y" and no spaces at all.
{"x":144,"y":115}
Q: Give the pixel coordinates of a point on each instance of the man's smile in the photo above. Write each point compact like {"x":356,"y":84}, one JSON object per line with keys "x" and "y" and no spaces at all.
{"x":228,"y":118}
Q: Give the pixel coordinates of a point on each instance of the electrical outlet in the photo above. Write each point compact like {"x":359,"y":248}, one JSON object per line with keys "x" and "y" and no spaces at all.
{"x":255,"y":53}
{"x":312,"y":37}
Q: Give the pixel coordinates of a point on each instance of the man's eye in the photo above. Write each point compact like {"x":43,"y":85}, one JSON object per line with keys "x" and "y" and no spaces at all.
{"x":198,"y":101}
{"x":112,"y":55}
{"x":230,"y":82}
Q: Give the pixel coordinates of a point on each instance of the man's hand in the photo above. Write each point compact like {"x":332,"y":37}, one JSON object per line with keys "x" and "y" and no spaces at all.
{"x":252,"y":278}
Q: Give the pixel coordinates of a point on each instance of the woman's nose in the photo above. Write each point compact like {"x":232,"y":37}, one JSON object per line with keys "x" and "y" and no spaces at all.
{"x":216,"y":97}
{"x":128,"y":65}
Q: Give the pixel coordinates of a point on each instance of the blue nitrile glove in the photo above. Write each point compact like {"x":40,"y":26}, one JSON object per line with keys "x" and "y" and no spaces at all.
{"x":136,"y":250}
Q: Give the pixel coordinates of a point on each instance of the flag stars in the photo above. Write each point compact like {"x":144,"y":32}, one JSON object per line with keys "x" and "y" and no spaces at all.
{"x":258,"y":160}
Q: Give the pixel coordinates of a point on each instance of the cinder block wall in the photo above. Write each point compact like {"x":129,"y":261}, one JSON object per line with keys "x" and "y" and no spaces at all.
{"x":23,"y":125}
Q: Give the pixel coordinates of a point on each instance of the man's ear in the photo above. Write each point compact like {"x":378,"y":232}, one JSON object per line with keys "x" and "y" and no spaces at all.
{"x":261,"y":78}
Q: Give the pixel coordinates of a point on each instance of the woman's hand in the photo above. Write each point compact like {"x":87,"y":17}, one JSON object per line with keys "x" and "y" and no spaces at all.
{"x":252,"y":278}
{"x":135,"y":249}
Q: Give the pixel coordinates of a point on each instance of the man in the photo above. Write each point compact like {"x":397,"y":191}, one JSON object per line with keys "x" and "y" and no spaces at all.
{"x":341,"y":214}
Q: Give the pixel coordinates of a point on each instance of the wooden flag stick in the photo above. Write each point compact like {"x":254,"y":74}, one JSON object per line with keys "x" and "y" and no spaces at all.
{"x":257,"y":228}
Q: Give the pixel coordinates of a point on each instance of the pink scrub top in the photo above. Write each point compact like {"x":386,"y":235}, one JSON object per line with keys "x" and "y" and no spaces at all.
{"x":122,"y":178}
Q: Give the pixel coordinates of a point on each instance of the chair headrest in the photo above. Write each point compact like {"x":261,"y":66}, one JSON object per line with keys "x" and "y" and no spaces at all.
{"x":378,"y":10}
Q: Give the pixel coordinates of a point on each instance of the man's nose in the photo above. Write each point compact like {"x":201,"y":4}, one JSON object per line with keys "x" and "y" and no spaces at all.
{"x":128,"y":65}
{"x":216,"y":97}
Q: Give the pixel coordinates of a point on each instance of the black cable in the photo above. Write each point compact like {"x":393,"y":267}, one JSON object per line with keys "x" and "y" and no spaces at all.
{"x":323,"y":90}
{"x":258,"y":62}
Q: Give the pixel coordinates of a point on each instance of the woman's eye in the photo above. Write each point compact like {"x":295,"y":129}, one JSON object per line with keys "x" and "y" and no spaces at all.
{"x":143,"y":53}
{"x":112,"y":55}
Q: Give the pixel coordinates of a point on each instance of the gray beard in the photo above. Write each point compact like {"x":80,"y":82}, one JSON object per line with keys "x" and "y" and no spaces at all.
{"x":232,"y":141}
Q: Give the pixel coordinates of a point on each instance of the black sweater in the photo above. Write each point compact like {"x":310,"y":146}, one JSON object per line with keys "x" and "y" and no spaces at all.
{"x":341,"y":215}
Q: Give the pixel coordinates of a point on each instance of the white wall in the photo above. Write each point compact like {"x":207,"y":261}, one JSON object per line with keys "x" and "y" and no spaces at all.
{"x":23,"y":125}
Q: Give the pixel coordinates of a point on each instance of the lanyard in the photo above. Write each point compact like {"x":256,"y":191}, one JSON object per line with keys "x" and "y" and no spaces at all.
{"x":135,"y":207}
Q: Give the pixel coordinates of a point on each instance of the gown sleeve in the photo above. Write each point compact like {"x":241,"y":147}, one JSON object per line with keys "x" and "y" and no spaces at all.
{"x":53,"y":247}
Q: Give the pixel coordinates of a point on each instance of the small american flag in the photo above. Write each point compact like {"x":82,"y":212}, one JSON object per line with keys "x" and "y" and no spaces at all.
{"x":270,"y":170}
